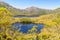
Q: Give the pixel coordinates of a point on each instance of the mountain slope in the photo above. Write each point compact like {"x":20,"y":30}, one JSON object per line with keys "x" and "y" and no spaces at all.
{"x":31,"y":11}
{"x":13,"y":10}
{"x":35,"y":11}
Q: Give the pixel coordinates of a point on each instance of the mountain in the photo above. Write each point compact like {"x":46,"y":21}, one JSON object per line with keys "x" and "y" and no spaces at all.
{"x":57,"y":10}
{"x":13,"y":10}
{"x":35,"y":11}
{"x":31,"y":11}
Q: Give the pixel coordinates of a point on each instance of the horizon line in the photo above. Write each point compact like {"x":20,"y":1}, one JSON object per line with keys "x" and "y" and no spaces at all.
{"x":30,"y":6}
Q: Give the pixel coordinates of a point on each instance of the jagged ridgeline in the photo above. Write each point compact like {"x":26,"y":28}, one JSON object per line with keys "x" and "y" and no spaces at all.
{"x":31,"y":11}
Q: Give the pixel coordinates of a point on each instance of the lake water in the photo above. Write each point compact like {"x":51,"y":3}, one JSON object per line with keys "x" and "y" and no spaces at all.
{"x":25,"y":16}
{"x":25,"y":27}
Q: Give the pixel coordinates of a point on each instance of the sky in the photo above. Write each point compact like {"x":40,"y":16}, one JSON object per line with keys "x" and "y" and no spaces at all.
{"x":22,"y":4}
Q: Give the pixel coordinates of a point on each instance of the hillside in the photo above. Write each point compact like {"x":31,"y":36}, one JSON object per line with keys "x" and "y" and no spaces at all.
{"x":51,"y":31}
{"x":31,"y":11}
{"x":13,"y":10}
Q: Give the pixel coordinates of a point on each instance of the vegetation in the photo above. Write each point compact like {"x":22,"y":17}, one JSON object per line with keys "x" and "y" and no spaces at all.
{"x":26,"y":21}
{"x":50,"y":31}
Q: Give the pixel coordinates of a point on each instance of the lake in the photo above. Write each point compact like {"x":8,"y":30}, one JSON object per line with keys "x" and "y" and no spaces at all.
{"x":20,"y":16}
{"x":25,"y":27}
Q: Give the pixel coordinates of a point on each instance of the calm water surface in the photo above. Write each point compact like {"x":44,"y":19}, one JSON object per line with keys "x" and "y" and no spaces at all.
{"x":25,"y":27}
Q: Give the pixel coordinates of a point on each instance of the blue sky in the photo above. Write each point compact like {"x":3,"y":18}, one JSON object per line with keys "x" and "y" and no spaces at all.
{"x":47,"y":4}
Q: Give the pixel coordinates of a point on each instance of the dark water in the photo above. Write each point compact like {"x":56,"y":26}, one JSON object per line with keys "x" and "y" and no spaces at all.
{"x":25,"y":16}
{"x":25,"y":27}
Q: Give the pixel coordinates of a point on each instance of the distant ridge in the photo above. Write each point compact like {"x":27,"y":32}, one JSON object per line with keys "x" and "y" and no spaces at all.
{"x":30,"y":11}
